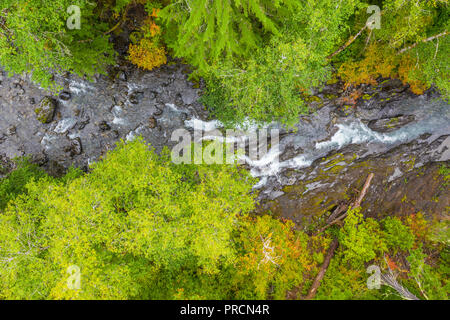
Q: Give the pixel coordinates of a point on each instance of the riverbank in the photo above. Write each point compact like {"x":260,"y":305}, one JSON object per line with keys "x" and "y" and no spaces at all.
{"x":401,"y":137}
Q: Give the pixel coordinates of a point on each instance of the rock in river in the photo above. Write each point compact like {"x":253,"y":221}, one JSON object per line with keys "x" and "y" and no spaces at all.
{"x":46,"y":110}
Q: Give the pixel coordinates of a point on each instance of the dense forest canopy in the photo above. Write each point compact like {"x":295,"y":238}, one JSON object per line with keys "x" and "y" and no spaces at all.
{"x":138,"y":226}
{"x":258,"y":58}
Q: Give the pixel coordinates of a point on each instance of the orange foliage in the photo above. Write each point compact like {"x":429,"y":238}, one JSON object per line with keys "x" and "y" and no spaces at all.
{"x":155,"y":13}
{"x":391,"y":264}
{"x":405,"y":66}
{"x":288,"y":247}
{"x":368,"y":69}
{"x":147,"y":55}
{"x":418,"y":225}
{"x":378,"y":62}
{"x":150,"y":26}
{"x":154,"y":29}
{"x":351,"y":99}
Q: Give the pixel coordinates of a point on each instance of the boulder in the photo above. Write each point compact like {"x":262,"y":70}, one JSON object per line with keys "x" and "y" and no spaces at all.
{"x":46,"y":110}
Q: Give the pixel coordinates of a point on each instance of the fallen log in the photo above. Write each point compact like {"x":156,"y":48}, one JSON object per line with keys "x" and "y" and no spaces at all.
{"x":424,"y":40}
{"x":363,"y":191}
{"x":349,"y":42}
{"x":313,"y":290}
{"x":340,"y":208}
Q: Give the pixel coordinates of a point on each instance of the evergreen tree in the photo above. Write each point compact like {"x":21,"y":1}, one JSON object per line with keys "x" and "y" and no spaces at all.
{"x":206,"y":32}
{"x":35,"y":38}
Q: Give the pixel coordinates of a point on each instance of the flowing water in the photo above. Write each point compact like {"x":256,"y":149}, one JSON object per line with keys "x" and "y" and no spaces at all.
{"x":95,"y":115}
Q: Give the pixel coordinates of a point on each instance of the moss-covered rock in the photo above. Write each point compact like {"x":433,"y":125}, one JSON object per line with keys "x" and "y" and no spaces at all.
{"x":46,"y":110}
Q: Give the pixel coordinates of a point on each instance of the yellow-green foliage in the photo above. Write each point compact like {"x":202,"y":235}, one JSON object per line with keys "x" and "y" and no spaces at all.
{"x":361,"y":239}
{"x":14,"y":184}
{"x":274,"y":256}
{"x":135,"y":217}
{"x":402,"y":48}
{"x":140,"y":227}
{"x":147,"y":52}
{"x":147,"y":55}
{"x":395,"y":243}
{"x":35,"y":39}
{"x":398,"y":235}
{"x":380,"y":61}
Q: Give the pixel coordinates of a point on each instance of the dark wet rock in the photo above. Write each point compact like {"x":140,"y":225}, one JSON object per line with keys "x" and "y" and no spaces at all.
{"x":39,"y":158}
{"x":46,"y":110}
{"x":152,"y":95}
{"x":342,"y":149}
{"x":136,"y":97}
{"x":55,"y":169}
{"x":6,"y":166}
{"x":344,"y":110}
{"x":11,"y":131}
{"x":121,"y":75}
{"x":158,"y":112}
{"x":19,"y":89}
{"x":104,"y":126}
{"x":83,"y":123}
{"x":390,"y":85}
{"x":115,"y":134}
{"x":290,"y":152}
{"x":391,"y":123}
{"x":152,"y":122}
{"x":65,"y":96}
{"x":32,"y":101}
{"x":76,"y":147}
{"x":401,"y":186}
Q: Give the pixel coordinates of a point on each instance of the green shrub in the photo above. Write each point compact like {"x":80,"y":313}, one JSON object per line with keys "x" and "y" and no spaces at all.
{"x":257,"y":57}
{"x":361,"y":239}
{"x":34,"y":39}
{"x":397,"y":235}
{"x":14,"y":184}
{"x":136,"y":218}
{"x":428,"y":282}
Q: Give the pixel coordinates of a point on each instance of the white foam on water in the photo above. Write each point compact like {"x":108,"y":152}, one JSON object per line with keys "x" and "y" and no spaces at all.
{"x":130,"y":136}
{"x":173,"y":107}
{"x":132,"y":87}
{"x":268,"y":165}
{"x":265,"y":165}
{"x":198,"y":124}
{"x":248,"y":125}
{"x":358,"y":132}
{"x":64,"y":125}
{"x":117,"y":112}
{"x":261,"y":183}
{"x":78,"y":87}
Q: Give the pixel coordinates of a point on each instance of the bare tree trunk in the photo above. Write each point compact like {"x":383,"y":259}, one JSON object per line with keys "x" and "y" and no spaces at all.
{"x":389,"y":280}
{"x":349,"y":42}
{"x":313,"y":290}
{"x":424,"y":40}
{"x":363,"y":191}
{"x":342,"y":208}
